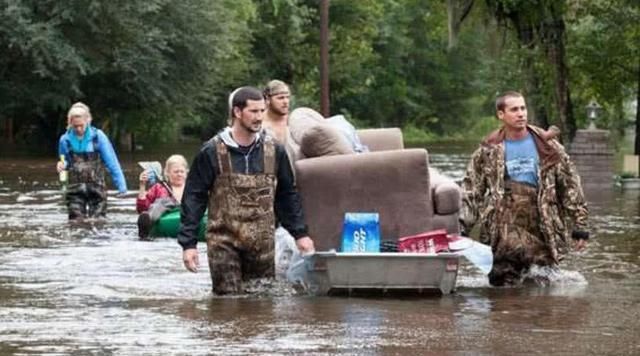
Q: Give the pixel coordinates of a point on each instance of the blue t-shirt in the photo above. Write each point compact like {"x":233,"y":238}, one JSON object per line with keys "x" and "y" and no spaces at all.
{"x":521,"y":158}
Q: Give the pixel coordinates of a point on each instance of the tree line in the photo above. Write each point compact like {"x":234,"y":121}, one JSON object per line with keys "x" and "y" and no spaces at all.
{"x":155,"y":70}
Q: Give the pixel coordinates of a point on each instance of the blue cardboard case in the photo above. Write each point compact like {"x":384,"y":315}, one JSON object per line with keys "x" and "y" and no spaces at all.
{"x":361,"y":232}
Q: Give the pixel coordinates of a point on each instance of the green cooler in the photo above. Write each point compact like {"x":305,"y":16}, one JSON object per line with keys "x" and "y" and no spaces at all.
{"x":169,"y":224}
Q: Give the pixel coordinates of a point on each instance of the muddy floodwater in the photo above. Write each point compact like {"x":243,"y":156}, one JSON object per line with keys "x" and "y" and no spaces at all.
{"x":97,"y":290}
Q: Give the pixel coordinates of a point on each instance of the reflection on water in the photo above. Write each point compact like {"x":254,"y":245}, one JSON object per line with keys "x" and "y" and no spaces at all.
{"x":96,"y":289}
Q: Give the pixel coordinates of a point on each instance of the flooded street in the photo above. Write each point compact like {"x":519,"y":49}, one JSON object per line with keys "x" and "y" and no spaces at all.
{"x":97,"y":290}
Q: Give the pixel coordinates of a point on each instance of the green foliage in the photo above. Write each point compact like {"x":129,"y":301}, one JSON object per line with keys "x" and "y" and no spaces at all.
{"x":161,"y":68}
{"x":285,"y":46}
{"x":411,"y":133}
{"x":605,"y":40}
{"x":413,"y":78}
{"x":415,"y":136}
{"x":123,"y":58}
{"x":483,"y":126}
{"x":389,"y":61}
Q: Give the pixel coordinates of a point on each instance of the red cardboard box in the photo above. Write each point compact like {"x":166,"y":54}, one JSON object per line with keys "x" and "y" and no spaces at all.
{"x":428,"y":242}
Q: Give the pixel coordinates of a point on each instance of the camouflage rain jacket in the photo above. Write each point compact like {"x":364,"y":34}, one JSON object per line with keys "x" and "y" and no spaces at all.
{"x":560,"y":201}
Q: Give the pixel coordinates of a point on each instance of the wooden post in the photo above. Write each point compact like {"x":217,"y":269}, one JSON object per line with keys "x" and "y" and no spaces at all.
{"x":324,"y":58}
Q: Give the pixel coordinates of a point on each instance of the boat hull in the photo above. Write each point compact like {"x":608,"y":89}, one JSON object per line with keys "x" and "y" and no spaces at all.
{"x":334,"y":272}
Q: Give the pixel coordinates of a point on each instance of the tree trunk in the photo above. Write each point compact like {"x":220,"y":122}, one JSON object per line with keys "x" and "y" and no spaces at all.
{"x":619,"y":125}
{"x":8,"y":130}
{"x":533,"y":82}
{"x":125,"y":140}
{"x":554,"y":43}
{"x":457,"y":11}
{"x":535,"y":99}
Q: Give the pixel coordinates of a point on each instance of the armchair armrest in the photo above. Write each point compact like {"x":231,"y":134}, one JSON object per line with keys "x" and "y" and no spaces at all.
{"x":447,"y":195}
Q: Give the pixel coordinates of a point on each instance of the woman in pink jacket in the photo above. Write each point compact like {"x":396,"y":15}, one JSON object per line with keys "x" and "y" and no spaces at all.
{"x":163,"y":195}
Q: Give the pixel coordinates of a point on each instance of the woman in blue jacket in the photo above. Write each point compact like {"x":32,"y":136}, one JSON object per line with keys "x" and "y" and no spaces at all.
{"x":86,"y":149}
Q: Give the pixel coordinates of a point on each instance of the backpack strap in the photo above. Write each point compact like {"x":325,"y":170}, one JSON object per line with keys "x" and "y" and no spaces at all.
{"x":223,"y":157}
{"x":269,"y":148}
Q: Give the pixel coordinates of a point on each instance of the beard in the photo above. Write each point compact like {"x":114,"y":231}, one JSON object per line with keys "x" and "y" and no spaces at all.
{"x":252,"y":128}
{"x":280,"y":111}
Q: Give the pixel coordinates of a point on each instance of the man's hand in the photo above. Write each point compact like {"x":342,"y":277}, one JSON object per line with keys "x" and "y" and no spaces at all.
{"x":190,"y":259}
{"x":305,"y":245}
{"x":580,"y":245}
{"x":60,"y":166}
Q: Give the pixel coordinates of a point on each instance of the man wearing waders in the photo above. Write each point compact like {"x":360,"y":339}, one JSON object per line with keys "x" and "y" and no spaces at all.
{"x":244,"y":178}
{"x":85,"y":149}
{"x":525,"y":193}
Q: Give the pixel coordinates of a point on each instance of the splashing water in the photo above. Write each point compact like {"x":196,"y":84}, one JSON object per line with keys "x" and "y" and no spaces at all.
{"x":554,"y":276}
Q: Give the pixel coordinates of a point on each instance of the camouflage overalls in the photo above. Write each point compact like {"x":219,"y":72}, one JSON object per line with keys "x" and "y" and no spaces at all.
{"x":241,"y":222}
{"x":521,"y":243}
{"x":523,"y":225}
{"x":86,"y":195}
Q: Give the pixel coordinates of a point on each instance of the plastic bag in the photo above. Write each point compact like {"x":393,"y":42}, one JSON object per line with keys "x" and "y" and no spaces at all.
{"x":297,"y":272}
{"x":346,"y":128}
{"x":480,"y":255}
{"x":161,"y":206}
{"x":290,"y":264}
{"x":285,"y":251}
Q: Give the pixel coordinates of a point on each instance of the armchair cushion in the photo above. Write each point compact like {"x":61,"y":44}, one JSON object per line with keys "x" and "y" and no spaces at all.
{"x":315,"y":136}
{"x":324,"y":140}
{"x":301,"y":120}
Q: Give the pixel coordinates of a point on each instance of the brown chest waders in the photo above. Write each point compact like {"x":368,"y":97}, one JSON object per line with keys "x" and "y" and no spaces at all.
{"x":86,"y":195}
{"x":241,"y":222}
{"x":520,"y":243}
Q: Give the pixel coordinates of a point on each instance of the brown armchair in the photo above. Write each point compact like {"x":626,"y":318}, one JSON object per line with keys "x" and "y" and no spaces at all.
{"x":395,"y":182}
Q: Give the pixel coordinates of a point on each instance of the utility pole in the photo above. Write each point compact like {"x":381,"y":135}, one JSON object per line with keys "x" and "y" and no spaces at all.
{"x":324,"y":58}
